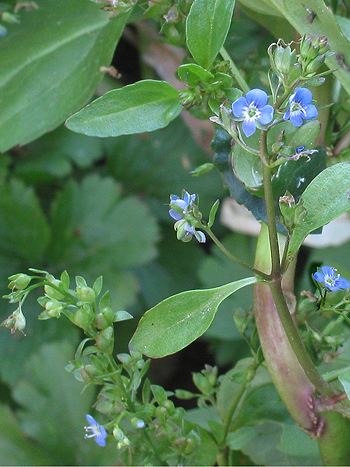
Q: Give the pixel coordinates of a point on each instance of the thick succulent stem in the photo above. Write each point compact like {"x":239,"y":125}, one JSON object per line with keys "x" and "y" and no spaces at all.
{"x":293,"y":385}
{"x":335,"y":441}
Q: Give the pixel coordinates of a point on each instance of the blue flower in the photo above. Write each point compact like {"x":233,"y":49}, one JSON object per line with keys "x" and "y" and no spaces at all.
{"x":95,"y":430}
{"x":328,"y":277}
{"x":182,"y":205}
{"x":252,"y":109}
{"x":179,"y":209}
{"x":300,"y":107}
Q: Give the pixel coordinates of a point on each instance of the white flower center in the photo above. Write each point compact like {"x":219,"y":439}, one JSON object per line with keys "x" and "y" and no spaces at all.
{"x":92,"y":431}
{"x":251,"y":113}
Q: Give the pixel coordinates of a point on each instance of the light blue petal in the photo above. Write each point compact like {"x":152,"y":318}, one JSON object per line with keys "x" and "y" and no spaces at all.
{"x":296,"y":118}
{"x":193,"y":198}
{"x":328,"y":271}
{"x":238,"y":106}
{"x":175,"y":215}
{"x":318,"y":276}
{"x":248,"y":127}
{"x":303,"y":96}
{"x":189,"y":229}
{"x":101,"y":441}
{"x":187,"y":198}
{"x":342,"y":283}
{"x":179,"y":203}
{"x":299,"y":149}
{"x":286,"y":116}
{"x":90,"y":419}
{"x":200,"y":237}
{"x":173,"y":198}
{"x":258,"y":96}
{"x":310,"y":111}
{"x":266,"y":115}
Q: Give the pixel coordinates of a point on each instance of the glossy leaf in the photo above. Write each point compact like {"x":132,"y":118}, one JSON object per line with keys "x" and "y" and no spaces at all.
{"x":144,"y":106}
{"x":178,"y":320}
{"x":193,"y":74}
{"x":207,"y":26}
{"x":326,"y":198}
{"x":58,"y":69}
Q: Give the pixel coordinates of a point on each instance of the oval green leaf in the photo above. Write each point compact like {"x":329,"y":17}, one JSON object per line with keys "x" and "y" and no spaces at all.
{"x":136,"y":108}
{"x":50,"y":66}
{"x":179,"y":320}
{"x":207,"y":26}
{"x":326,"y":198}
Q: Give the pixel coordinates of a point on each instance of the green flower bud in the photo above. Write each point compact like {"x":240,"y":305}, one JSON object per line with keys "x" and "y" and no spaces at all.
{"x":105,"y":340}
{"x":284,"y":58}
{"x":53,"y":292}
{"x":19,"y":281}
{"x":86,"y":294}
{"x":83,"y":317}
{"x":15,"y":322}
{"x":53,"y":308}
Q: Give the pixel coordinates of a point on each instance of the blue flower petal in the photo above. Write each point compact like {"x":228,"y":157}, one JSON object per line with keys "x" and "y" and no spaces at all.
{"x":90,"y":419}
{"x":100,"y":441}
{"x":296,"y":118}
{"x":310,"y":111}
{"x":266,"y":115}
{"x":286,"y":116}
{"x":173,"y":198}
{"x":318,"y":276}
{"x":189,"y":229}
{"x":248,"y":127}
{"x":258,"y":96}
{"x":175,"y":215}
{"x":342,"y":283}
{"x":180,"y":203}
{"x":200,"y":237}
{"x":299,"y":149}
{"x":238,"y":106}
{"x":303,"y":96}
{"x":187,"y":197}
{"x":328,"y":271}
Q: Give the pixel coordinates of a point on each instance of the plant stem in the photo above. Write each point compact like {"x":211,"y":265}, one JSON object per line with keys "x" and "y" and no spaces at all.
{"x":232,"y":257}
{"x":270,"y":209}
{"x":234,"y":70}
{"x":295,"y":341}
{"x":275,"y":284}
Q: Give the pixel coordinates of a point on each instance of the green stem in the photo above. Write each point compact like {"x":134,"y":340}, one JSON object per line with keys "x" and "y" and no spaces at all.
{"x":295,"y":341}
{"x":275,"y":285}
{"x":234,"y":70}
{"x":232,"y":257}
{"x":270,"y":208}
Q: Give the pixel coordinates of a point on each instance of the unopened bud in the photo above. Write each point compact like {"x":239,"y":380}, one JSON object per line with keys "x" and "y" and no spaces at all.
{"x":86,"y":294}
{"x":105,"y":340}
{"x":19,"y":281}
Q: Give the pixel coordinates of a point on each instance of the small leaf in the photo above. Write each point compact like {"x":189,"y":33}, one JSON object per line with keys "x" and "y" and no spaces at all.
{"x":179,"y":320}
{"x":305,"y":135}
{"x":122,"y":315}
{"x":136,"y":108}
{"x":98,"y":284}
{"x":213,"y":212}
{"x":194,"y":74}
{"x":207,"y":26}
{"x":345,"y":381}
{"x":326,"y":198}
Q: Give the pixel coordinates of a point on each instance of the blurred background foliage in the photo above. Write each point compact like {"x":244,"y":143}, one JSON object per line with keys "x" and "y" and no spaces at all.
{"x":99,"y":206}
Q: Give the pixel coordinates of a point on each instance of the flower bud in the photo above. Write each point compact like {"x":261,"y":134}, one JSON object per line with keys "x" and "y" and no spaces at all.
{"x":53,"y":308}
{"x":313,"y":52}
{"x":284,"y":58}
{"x":19,"y":281}
{"x":86,"y":294}
{"x":15,"y":322}
{"x":83,"y":316}
{"x":53,"y":292}
{"x":105,"y":340}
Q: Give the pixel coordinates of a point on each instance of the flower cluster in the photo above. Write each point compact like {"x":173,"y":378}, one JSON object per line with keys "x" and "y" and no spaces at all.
{"x":328,"y":278}
{"x":185,"y":212}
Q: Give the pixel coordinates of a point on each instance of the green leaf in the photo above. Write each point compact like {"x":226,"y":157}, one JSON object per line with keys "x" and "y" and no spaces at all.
{"x":212,"y":213}
{"x":25,"y":234}
{"x":95,"y":229}
{"x":345,"y":381}
{"x":178,"y":320}
{"x":207,"y":26}
{"x":321,"y":22}
{"x":305,"y":135}
{"x":326,"y":198}
{"x":53,"y":408}
{"x":247,"y":167}
{"x":194,"y":74}
{"x":136,"y":108}
{"x":59,"y":69}
{"x":15,"y":447}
